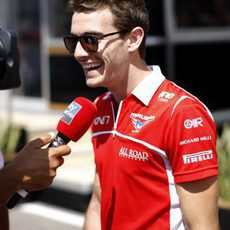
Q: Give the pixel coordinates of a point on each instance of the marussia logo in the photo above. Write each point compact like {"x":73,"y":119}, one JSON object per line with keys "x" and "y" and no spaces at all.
{"x":140,"y":120}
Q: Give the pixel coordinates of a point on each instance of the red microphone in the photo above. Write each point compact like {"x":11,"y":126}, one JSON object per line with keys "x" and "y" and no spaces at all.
{"x":73,"y":124}
{"x":75,"y":121}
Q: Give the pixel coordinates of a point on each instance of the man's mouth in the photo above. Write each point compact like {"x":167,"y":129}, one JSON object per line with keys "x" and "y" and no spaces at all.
{"x":91,"y":66}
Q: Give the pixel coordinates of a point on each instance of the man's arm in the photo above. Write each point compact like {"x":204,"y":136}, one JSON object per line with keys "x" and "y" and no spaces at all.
{"x":199,"y":203}
{"x":92,"y":218}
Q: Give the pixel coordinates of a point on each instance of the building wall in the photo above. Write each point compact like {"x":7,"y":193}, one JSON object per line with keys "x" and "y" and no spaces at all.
{"x":191,"y":43}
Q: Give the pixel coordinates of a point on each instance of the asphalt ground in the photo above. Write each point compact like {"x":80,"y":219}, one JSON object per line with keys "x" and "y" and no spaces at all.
{"x":39,"y":216}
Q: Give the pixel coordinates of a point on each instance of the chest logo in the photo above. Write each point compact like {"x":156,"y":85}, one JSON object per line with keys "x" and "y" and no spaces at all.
{"x":140,"y":120}
{"x":165,"y":96}
{"x":101,"y":120}
{"x":194,"y":123}
{"x":133,"y":154}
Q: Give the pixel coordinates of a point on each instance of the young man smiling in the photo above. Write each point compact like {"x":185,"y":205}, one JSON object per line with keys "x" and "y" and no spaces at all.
{"x":145,"y":179}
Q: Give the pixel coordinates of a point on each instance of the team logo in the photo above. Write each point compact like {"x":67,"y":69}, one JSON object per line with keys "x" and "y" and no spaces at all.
{"x":139,"y":121}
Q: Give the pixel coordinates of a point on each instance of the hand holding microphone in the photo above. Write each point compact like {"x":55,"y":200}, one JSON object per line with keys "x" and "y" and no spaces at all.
{"x":39,"y":165}
{"x":33,"y":168}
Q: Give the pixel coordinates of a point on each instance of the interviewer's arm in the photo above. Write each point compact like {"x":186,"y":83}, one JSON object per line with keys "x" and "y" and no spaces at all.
{"x":92,"y":218}
{"x":199,"y":204}
{"x":4,"y":218}
{"x":32,"y":169}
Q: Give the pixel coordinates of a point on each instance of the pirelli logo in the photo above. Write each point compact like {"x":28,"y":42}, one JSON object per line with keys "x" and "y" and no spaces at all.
{"x":197,"y":157}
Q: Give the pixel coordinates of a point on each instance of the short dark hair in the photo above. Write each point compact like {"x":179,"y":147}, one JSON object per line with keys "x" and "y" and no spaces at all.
{"x":128,"y":14}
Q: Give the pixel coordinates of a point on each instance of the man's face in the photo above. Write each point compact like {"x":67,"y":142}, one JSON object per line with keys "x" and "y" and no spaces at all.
{"x":108,"y":66}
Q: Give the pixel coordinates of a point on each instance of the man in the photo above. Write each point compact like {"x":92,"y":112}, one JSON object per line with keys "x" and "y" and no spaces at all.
{"x":33,"y":168}
{"x":154,"y":143}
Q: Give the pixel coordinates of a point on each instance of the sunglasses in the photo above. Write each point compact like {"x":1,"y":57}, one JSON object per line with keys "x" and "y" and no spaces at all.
{"x":88,"y":42}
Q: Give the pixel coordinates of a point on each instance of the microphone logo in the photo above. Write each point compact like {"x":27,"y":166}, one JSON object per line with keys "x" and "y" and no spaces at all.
{"x":71,"y":111}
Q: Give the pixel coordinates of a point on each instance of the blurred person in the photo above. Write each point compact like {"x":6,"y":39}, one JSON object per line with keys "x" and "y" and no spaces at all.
{"x":33,"y":168}
{"x":154,"y":142}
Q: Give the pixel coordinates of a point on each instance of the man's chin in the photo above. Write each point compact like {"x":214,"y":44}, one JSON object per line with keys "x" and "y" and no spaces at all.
{"x":92,"y":84}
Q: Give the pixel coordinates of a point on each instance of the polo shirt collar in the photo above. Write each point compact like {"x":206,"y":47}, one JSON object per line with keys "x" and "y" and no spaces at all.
{"x":146,"y":88}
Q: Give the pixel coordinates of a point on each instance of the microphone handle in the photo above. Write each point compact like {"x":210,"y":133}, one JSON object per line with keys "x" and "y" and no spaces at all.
{"x":16,"y":198}
{"x":59,"y":140}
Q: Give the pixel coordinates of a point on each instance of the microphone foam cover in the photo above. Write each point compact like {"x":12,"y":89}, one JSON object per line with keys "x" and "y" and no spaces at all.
{"x":77,"y":118}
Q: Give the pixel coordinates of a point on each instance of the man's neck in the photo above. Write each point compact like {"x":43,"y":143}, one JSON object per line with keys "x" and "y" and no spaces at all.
{"x":135,"y":76}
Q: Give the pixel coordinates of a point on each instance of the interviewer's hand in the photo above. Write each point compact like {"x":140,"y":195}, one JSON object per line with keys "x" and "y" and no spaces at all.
{"x":34,"y":167}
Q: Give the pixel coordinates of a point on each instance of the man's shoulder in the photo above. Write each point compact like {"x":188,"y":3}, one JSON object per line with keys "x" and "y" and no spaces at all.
{"x":171,"y":90}
{"x":172,"y":98}
{"x":104,"y":98}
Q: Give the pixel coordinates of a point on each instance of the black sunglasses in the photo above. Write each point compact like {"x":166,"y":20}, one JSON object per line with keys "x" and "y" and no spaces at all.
{"x":88,"y":42}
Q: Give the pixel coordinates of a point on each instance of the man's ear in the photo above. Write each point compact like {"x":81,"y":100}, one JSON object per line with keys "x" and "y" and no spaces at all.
{"x":135,"y":38}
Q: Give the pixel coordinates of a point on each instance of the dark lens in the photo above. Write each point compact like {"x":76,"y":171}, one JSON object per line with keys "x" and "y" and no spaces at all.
{"x":89,"y":43}
{"x":70,"y":43}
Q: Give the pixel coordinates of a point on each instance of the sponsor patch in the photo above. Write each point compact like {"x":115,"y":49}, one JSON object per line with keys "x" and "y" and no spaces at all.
{"x":197,"y":157}
{"x":133,"y":154}
{"x":193,"y":123}
{"x":71,"y":112}
{"x":165,"y":96}
{"x":196,"y":139}
{"x":101,"y":120}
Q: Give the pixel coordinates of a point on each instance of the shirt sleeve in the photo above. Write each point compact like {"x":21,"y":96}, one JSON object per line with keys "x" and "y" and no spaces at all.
{"x":192,"y":142}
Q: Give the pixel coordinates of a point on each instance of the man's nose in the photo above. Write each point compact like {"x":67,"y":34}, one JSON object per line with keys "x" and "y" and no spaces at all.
{"x":79,"y":51}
